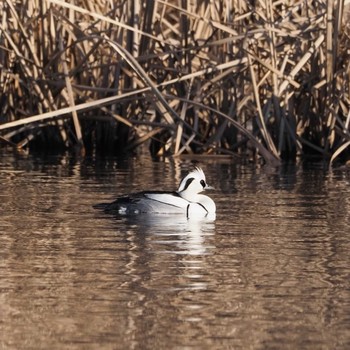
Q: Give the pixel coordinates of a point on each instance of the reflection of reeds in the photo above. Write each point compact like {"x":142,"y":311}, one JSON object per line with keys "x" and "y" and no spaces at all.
{"x":202,"y":77}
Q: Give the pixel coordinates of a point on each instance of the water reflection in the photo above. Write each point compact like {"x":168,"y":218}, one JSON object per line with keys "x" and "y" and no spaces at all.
{"x":187,"y":236}
{"x":171,"y":246}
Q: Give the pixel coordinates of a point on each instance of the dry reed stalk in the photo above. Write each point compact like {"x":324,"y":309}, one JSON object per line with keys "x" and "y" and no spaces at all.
{"x":261,"y":119}
{"x":71,"y":96}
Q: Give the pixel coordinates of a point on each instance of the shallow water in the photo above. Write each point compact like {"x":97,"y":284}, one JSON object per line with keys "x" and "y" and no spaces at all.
{"x":271,"y":272}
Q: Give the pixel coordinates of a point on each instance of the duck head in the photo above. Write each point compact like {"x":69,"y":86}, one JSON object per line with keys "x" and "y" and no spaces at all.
{"x":193,"y":183}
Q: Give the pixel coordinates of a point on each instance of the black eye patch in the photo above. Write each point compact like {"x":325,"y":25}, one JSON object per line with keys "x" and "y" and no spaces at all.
{"x":188,"y":182}
{"x":203,"y":183}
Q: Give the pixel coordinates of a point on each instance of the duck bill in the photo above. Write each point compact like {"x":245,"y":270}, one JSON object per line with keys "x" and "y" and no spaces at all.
{"x":207,"y":187}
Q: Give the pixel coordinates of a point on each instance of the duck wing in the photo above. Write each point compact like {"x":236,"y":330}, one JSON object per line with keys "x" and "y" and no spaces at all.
{"x":147,"y":202}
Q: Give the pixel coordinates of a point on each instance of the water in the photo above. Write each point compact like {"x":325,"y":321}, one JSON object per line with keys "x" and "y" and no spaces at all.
{"x":271,"y":272}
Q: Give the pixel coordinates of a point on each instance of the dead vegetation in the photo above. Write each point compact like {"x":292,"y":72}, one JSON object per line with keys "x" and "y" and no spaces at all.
{"x":260,"y":79}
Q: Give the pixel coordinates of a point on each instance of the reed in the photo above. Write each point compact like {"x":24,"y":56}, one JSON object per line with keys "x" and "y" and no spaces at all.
{"x":266,"y":81}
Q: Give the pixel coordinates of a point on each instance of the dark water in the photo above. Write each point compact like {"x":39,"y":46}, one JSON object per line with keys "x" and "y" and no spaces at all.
{"x":271,"y":272}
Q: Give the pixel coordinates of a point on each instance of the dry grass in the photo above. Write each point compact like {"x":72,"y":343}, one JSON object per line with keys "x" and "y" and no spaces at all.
{"x":214,"y":77}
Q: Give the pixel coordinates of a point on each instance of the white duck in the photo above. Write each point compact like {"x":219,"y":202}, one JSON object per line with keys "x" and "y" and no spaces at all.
{"x":186,"y":200}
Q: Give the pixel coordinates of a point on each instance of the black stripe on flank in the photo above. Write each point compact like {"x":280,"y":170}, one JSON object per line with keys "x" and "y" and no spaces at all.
{"x":203,"y":207}
{"x":188,"y":208}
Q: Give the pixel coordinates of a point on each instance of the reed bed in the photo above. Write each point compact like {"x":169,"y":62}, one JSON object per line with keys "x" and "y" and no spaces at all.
{"x":265,"y":80}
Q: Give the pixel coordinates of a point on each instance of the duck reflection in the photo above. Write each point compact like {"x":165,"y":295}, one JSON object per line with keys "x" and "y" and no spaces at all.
{"x":168,"y":254}
{"x":172,"y":233}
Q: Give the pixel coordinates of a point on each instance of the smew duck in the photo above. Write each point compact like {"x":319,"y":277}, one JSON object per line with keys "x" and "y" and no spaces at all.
{"x":186,"y":200}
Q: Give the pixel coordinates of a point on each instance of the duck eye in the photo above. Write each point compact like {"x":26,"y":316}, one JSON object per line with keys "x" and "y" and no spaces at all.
{"x":202,"y":182}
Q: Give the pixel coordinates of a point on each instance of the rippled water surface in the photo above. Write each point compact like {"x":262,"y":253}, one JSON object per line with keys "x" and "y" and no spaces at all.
{"x":271,"y":272}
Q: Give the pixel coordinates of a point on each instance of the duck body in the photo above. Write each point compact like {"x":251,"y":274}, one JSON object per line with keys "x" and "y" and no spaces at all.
{"x":186,"y":200}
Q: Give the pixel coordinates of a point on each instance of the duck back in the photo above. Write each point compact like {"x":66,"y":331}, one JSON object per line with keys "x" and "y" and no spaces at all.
{"x":147,"y":202}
